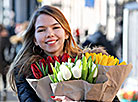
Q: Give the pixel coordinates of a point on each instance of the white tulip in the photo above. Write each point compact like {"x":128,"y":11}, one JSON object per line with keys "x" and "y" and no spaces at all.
{"x":78,"y":63}
{"x":76,"y":71}
{"x":70,"y":64}
{"x":59,"y":76}
{"x":62,"y":66}
{"x":96,"y":71}
{"x":65,"y":72}
{"x":93,"y":66}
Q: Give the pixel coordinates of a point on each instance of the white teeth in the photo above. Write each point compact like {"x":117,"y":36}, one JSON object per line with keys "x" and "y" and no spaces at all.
{"x":51,"y":42}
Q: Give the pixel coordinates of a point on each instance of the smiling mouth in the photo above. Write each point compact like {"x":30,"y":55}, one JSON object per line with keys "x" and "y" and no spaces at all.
{"x":51,"y":42}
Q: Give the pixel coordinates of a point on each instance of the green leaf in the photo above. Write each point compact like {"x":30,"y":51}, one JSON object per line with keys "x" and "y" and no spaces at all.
{"x":54,"y":73}
{"x":90,"y":77}
{"x":84,"y":68}
{"x":89,"y":64}
{"x":46,"y":70}
{"x":94,"y":58}
{"x":69,"y":60}
{"x":55,"y":80}
{"x":57,"y":66}
{"x":97,"y":74}
{"x":43,"y":69}
{"x":53,"y":69}
{"x":75,"y":60}
{"x":39,"y":67}
{"x":51,"y":78}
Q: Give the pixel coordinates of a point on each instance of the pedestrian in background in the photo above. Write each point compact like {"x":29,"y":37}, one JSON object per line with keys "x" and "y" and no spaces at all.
{"x":78,"y":35}
{"x":6,"y":55}
{"x":17,"y":39}
{"x":99,"y":39}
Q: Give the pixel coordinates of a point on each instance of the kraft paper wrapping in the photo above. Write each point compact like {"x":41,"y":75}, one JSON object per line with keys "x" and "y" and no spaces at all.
{"x":109,"y":81}
{"x":42,"y":88}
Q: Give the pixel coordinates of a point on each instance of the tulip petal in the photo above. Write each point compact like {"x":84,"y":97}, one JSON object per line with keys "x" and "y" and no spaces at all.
{"x":87,"y":55}
{"x":123,"y":63}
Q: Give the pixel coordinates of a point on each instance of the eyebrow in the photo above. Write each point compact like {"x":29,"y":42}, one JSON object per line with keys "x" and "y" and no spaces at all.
{"x":44,"y":26}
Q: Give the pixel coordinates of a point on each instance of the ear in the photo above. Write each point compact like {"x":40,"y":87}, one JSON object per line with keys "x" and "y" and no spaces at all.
{"x":35,"y":42}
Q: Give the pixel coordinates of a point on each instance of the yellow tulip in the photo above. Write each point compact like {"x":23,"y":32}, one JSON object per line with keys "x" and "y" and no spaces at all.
{"x":123,"y":63}
{"x":113,"y":62}
{"x":117,"y":61}
{"x":96,"y":60}
{"x":100,"y":57}
{"x":93,"y":56}
{"x":110,"y":60}
{"x":87,"y":55}
{"x":104,"y":60}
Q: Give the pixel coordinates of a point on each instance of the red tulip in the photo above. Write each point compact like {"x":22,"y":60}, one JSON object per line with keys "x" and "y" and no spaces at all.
{"x":73,"y":60}
{"x":48,"y":61}
{"x":36,"y":71}
{"x":42,"y":62}
{"x":59,"y":57}
{"x":65,"y":57}
{"x":56,"y":59}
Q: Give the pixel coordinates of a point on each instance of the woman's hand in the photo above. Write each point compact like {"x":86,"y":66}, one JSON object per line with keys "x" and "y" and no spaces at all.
{"x":61,"y":98}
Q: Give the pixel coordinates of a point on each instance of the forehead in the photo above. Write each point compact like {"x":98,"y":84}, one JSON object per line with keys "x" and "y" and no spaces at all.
{"x":45,"y":20}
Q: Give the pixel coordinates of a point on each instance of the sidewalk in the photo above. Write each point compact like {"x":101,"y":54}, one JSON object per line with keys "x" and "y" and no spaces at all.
{"x":10,"y":96}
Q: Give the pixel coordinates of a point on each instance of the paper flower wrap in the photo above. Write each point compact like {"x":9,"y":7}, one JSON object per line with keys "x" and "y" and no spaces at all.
{"x":103,"y":87}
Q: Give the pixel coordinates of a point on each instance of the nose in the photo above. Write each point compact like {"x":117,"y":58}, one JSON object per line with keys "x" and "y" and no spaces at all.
{"x":49,"y":32}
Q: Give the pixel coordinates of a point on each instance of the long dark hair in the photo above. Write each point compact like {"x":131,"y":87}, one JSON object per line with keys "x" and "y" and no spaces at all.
{"x":26,"y":55}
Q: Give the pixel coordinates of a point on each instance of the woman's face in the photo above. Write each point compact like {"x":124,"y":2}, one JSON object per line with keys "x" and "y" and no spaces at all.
{"x":49,"y":35}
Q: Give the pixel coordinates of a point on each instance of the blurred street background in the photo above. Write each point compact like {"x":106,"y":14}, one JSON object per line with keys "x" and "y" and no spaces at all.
{"x":9,"y":96}
{"x":112,"y":24}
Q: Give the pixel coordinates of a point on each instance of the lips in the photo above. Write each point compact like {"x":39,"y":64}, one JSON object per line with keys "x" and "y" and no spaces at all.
{"x":51,"y":42}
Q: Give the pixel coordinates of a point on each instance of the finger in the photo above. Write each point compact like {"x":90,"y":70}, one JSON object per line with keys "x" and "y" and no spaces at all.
{"x":61,"y":98}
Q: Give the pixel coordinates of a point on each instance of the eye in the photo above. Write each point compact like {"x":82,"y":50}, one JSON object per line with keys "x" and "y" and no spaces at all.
{"x":56,"y":27}
{"x":40,"y":30}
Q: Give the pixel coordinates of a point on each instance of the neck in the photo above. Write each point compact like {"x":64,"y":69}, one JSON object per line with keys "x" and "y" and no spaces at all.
{"x":55,"y":54}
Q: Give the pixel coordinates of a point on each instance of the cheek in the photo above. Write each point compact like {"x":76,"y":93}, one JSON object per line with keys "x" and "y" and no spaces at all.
{"x":38,"y":38}
{"x":62,"y":34}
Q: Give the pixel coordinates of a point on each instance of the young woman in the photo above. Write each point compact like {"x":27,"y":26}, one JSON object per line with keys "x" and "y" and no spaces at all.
{"x":48,"y":34}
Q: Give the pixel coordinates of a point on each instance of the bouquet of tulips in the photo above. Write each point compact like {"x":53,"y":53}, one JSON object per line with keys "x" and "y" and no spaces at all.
{"x":80,"y":69}
{"x":91,"y":77}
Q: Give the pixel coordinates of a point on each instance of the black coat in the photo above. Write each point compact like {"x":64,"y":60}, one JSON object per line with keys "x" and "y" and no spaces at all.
{"x":25,"y":91}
